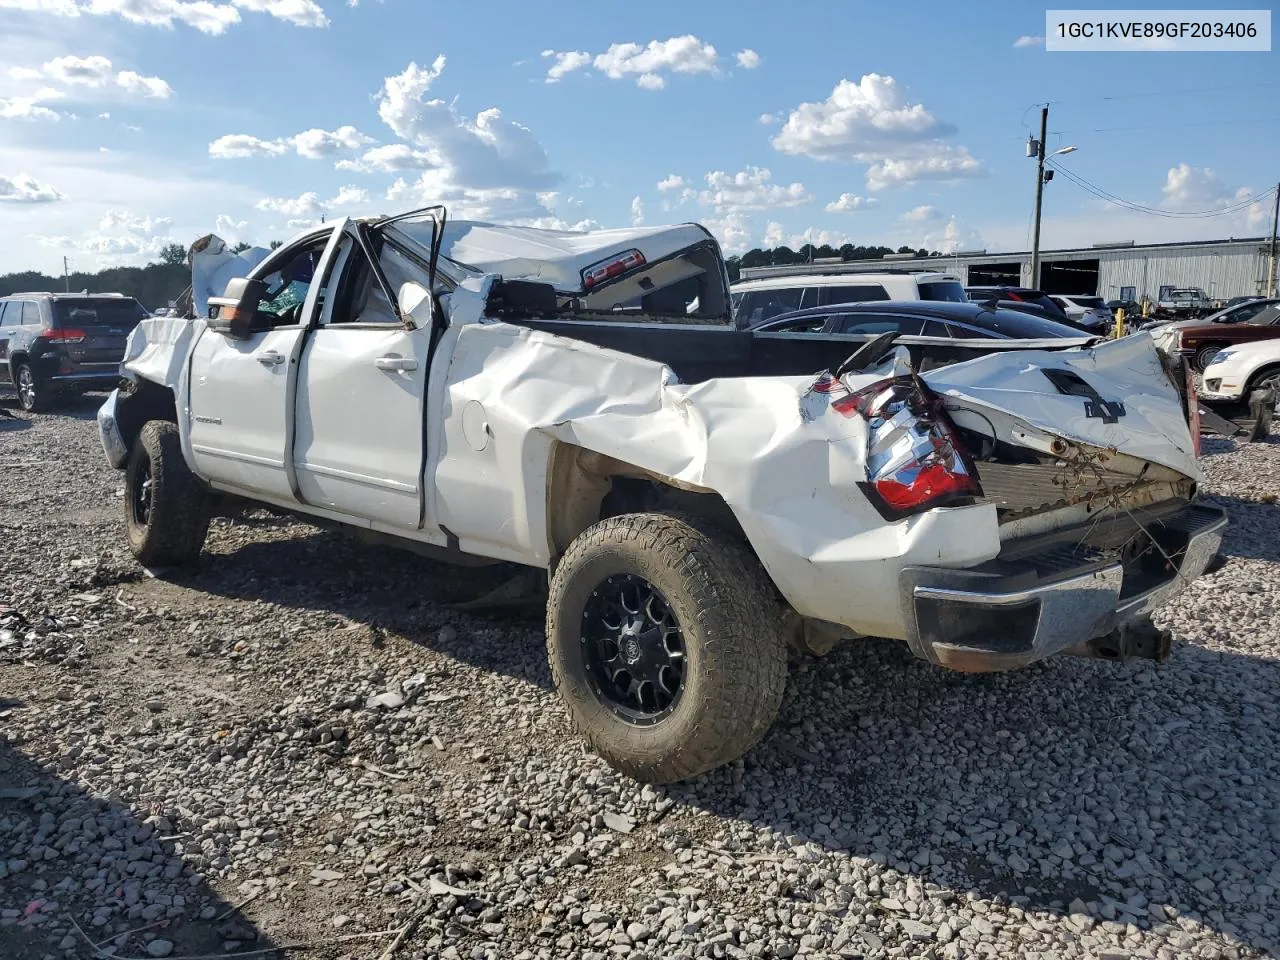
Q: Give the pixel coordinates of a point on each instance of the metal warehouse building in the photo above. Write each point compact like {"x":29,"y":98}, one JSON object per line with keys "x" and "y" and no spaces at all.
{"x":1113,"y":271}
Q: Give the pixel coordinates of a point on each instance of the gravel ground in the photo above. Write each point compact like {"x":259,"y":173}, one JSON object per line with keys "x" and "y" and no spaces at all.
{"x":195,"y":766}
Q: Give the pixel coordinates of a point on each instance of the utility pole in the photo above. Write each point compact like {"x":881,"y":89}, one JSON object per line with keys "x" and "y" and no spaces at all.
{"x":1035,"y":242}
{"x":66,"y":276}
{"x":1271,"y":266}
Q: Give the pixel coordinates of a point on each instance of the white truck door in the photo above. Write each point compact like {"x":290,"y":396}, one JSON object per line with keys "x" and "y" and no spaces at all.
{"x":361,"y":395}
{"x":241,"y":389}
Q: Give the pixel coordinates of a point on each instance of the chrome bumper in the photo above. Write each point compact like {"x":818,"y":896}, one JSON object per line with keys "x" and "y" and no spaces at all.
{"x":109,"y":433}
{"x":1009,"y":613}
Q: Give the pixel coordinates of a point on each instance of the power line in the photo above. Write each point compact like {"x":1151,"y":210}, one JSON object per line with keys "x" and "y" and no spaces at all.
{"x":1154,"y":93}
{"x":1176,"y":126}
{"x":1099,"y":192}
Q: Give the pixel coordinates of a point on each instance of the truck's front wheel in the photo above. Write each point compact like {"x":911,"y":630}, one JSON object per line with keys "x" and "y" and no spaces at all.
{"x":166,"y":508}
{"x":666,"y":645}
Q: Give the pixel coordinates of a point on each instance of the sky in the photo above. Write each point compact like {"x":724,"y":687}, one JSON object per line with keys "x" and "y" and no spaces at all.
{"x":126,"y":125}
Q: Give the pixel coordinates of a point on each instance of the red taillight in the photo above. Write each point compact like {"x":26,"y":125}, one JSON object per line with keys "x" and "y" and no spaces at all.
{"x":64,"y":336}
{"x":914,"y":459}
{"x":1014,"y":296}
{"x":613,"y":267}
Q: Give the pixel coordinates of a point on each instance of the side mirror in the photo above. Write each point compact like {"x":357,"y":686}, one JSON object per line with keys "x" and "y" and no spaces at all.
{"x":232,"y":313}
{"x":416,"y":307}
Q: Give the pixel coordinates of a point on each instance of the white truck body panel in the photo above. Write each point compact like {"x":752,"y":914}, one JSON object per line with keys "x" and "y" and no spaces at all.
{"x":499,"y":397}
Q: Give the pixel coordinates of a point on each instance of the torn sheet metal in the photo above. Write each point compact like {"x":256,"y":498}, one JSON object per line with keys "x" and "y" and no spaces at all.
{"x":1128,"y":370}
{"x":213,"y":264}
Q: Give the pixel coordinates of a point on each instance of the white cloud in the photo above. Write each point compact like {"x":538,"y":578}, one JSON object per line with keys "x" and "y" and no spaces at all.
{"x":307,"y":208}
{"x":565,"y":63}
{"x":750,"y":189}
{"x":229,"y":228}
{"x":207,"y":16}
{"x":21,"y":188}
{"x":733,"y":232}
{"x":389,"y":158}
{"x":147,"y":86}
{"x":774,"y":235}
{"x":238,"y":145}
{"x":943,"y":162}
{"x":1192,"y":189}
{"x":953,"y":237}
{"x":104,"y":116}
{"x":314,"y":144}
{"x":25,"y":108}
{"x":637,"y":212}
{"x":818,"y":237}
{"x":486,"y":167}
{"x":872,"y":122}
{"x":301,"y":13}
{"x":647,"y":64}
{"x":923,"y":212}
{"x":304,"y":205}
{"x":350,"y":196}
{"x":849,"y":202}
{"x":1027,"y":40}
{"x":768,"y":119}
{"x":748,"y":59}
{"x":671,"y":182}
{"x":93,"y":71}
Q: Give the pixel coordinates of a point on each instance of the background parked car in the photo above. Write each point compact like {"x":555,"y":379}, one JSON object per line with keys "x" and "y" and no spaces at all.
{"x":755,"y":301}
{"x":1185,"y":302}
{"x":1166,"y":333}
{"x":1088,"y":312}
{"x":58,"y":343}
{"x":947,"y":321}
{"x":1234,"y":372}
{"x":1201,"y":341}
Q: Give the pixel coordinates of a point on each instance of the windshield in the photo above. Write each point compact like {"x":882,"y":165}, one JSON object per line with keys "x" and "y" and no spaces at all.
{"x":1088,"y":302}
{"x":89,"y":312}
{"x":1184,"y":295}
{"x":1266,"y":317}
{"x":950,"y":291}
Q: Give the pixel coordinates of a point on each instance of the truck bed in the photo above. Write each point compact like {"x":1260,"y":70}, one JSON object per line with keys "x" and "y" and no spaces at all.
{"x":701,"y":352}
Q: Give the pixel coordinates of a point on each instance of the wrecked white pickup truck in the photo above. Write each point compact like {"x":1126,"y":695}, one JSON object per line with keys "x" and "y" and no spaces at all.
{"x":702,"y":497}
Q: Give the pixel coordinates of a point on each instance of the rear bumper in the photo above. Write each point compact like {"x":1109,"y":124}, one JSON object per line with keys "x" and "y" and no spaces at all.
{"x":104,"y":376}
{"x":1044,"y":597}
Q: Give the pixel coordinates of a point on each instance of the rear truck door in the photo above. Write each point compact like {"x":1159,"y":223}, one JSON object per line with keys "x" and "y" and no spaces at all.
{"x":361,"y":426}
{"x":242,"y":389}
{"x":1115,"y":396}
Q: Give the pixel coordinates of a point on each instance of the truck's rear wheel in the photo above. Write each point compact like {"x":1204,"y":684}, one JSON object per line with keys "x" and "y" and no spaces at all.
{"x":666,"y":644}
{"x":166,"y":508}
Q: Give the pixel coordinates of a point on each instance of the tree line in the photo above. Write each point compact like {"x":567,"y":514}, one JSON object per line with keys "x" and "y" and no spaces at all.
{"x":157,"y":284}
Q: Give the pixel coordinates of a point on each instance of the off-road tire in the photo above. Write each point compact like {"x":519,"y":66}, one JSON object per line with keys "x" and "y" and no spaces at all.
{"x":36,"y":398}
{"x":735,"y":667}
{"x":176,"y":521}
{"x":1205,"y":354}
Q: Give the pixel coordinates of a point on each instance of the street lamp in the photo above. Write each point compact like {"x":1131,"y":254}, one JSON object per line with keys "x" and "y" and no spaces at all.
{"x":1041,"y":179}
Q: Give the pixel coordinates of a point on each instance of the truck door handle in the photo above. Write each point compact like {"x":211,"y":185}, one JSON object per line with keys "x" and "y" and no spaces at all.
{"x":396,"y":363}
{"x":270,"y":358}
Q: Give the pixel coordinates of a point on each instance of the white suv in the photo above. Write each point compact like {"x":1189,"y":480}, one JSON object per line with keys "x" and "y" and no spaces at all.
{"x":755,"y":301}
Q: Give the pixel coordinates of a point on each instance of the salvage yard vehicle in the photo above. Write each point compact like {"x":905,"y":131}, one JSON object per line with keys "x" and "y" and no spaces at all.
{"x":777,"y":290}
{"x":1199,"y":341}
{"x":1246,"y":376}
{"x":58,"y":344}
{"x":701,"y":497}
{"x":1186,"y":302}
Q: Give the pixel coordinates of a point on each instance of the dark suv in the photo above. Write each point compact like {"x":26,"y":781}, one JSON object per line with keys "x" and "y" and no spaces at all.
{"x":54,"y":343}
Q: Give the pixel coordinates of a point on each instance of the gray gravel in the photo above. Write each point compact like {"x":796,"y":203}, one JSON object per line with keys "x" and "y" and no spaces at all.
{"x":304,"y":729}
